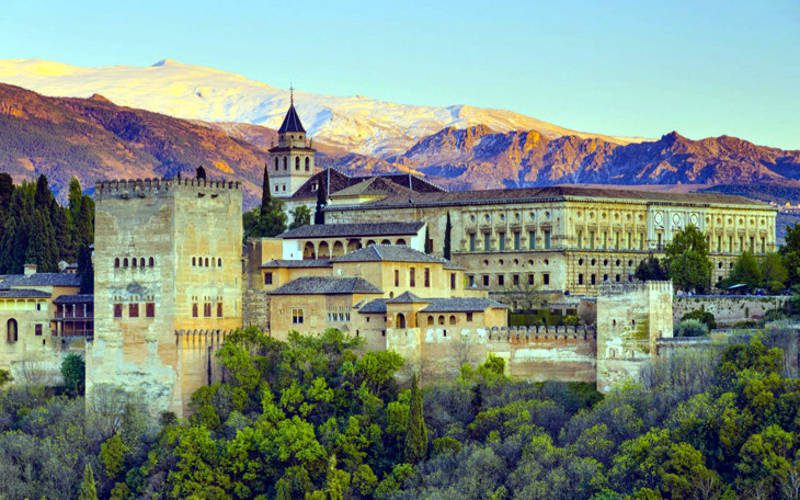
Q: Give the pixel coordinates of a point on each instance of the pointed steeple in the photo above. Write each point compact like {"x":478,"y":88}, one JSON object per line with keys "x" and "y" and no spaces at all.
{"x":291,"y":122}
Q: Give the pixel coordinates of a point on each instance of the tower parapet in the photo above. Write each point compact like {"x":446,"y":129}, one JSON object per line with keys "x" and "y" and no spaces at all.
{"x":151,"y":187}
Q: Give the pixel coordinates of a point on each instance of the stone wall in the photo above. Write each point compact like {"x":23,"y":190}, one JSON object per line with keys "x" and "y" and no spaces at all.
{"x":544,"y":353}
{"x":728,"y":309}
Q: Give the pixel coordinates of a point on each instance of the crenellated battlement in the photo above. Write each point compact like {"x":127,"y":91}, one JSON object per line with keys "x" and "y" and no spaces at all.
{"x":200,"y":339}
{"x":612,"y":289}
{"x":534,"y":334}
{"x":142,"y":188}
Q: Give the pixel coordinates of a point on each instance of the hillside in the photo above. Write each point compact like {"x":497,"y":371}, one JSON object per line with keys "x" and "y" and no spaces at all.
{"x":355,"y":123}
{"x":95,"y":139}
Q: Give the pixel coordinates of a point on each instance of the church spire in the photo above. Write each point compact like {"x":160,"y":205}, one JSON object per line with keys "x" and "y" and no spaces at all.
{"x":291,"y":122}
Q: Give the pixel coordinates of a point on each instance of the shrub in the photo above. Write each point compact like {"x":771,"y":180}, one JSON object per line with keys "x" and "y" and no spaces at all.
{"x":570,"y":320}
{"x":703,"y":316}
{"x":691,"y":328}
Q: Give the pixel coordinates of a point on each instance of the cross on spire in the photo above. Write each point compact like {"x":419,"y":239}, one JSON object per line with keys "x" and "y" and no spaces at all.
{"x":291,"y":94}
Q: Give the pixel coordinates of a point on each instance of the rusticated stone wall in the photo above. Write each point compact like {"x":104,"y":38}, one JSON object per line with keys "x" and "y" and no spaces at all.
{"x":728,"y":309}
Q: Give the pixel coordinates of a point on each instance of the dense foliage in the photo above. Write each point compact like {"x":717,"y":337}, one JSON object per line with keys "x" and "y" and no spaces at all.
{"x":686,"y":260}
{"x":312,"y":417}
{"x":35,"y":229}
{"x":267,"y":220}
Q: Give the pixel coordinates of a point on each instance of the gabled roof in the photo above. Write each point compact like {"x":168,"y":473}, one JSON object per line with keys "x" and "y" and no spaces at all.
{"x":372,"y":186}
{"x":406,"y":298}
{"x":41,"y":279}
{"x":340,"y":181}
{"x":318,"y":285}
{"x":388,"y":253}
{"x":297,"y":263}
{"x":353,"y":230}
{"x":377,"y":306}
{"x":462,"y":304}
{"x":74,"y":299}
{"x":22,"y":293}
{"x":291,"y":122}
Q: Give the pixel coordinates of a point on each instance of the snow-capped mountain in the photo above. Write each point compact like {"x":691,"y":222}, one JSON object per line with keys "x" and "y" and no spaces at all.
{"x":358,"y":124}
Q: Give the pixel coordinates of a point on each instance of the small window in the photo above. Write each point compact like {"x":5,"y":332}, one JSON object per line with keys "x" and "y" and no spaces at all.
{"x":133,"y":310}
{"x":151,"y":262}
{"x":141,"y":262}
{"x":219,"y":261}
{"x":308,"y":163}
{"x":297,"y":316}
{"x":530,"y":279}
{"x":116,"y":263}
{"x":469,"y":316}
{"x":150,"y":310}
{"x":452,"y":281}
{"x":38,"y":330}
{"x":441,"y":320}
{"x":412,"y":277}
{"x":194,"y":261}
{"x":396,"y":277}
{"x":501,"y":280}
{"x":452,"y":319}
{"x":207,"y":310}
{"x":206,"y":264}
{"x":117,"y":310}
{"x":268,"y":278}
{"x":194,"y":310}
{"x":485,"y":280}
{"x":430,"y":320}
{"x":427,"y":277}
{"x":133,"y":263}
{"x":219,"y":309}
{"x":546,"y":279}
{"x":125,"y":262}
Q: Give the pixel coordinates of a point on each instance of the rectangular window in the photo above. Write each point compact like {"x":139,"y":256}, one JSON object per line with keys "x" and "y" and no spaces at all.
{"x":530,"y":279}
{"x":471,"y":280}
{"x":546,"y":279}
{"x":194,"y":310}
{"x":752,"y":244}
{"x":547,"y":238}
{"x":207,"y":310}
{"x":593,"y":279}
{"x":580,"y":279}
{"x":485,"y":280}
{"x":117,"y":310}
{"x":412,"y":279}
{"x":427,"y":277}
{"x":616,"y":240}
{"x":659,"y":240}
{"x":516,"y":240}
{"x":605,"y":240}
{"x":469,"y":316}
{"x":501,"y":280}
{"x":38,"y":330}
{"x":219,"y":309}
{"x":150,"y":310}
{"x":297,"y":316}
{"x":487,"y":242}
{"x":268,"y":278}
{"x":580,"y":239}
{"x":471,"y":242}
{"x":532,"y":240}
{"x":396,"y":277}
{"x":641,"y":241}
{"x":591,"y":240}
{"x":452,"y":281}
{"x":629,"y":241}
{"x":515,"y":279}
{"x":501,"y":241}
{"x":133,"y":310}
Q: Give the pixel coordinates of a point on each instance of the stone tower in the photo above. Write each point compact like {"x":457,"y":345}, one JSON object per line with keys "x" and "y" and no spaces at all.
{"x":168,"y":285}
{"x":291,"y":162}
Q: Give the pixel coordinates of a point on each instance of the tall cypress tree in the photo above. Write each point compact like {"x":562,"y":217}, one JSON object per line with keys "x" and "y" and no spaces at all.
{"x":6,"y":189}
{"x":428,"y":241}
{"x":88,"y":490}
{"x":319,"y":212}
{"x":448,"y":233}
{"x":83,"y":225}
{"x":266,"y":195}
{"x":85,"y":269}
{"x":416,"y":444}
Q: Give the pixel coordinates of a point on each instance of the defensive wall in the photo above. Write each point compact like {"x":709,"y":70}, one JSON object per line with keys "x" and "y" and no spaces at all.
{"x":728,"y":309}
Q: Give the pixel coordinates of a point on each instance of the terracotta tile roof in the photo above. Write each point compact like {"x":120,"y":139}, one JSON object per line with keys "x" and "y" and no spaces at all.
{"x":353,"y":230}
{"x":388,"y":253}
{"x":326,"y":286}
{"x":41,"y":279}
{"x":550,"y":193}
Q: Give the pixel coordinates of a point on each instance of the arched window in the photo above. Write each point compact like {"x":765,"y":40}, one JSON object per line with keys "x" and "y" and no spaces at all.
{"x":284,"y":162}
{"x":125,"y":262}
{"x":152,"y":262}
{"x":401,"y":241}
{"x":308,"y":163}
{"x":141,"y":262}
{"x":401,"y":320}
{"x":206,"y":265}
{"x":452,"y":319}
{"x":430,"y":320}
{"x":11,"y":330}
{"x":194,"y":310}
{"x":116,"y":262}
{"x":441,"y":320}
{"x":219,"y":261}
{"x":297,"y":163}
{"x":133,"y":262}
{"x":276,"y":163}
{"x":194,"y":261}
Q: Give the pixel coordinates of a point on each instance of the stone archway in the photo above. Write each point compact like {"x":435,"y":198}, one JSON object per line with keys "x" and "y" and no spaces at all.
{"x":401,"y":241}
{"x":324,"y":251}
{"x":338,"y":249}
{"x":353,"y":245}
{"x":386,"y":242}
{"x":308,"y":251}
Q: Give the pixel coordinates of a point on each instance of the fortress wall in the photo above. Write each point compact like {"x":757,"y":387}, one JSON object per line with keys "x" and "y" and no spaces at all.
{"x":728,"y":309}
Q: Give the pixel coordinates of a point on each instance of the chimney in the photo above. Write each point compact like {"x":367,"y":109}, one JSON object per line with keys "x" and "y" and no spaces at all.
{"x":29,"y":269}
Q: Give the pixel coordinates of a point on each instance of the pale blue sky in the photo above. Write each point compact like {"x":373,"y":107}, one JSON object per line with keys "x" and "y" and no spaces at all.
{"x":702,"y":67}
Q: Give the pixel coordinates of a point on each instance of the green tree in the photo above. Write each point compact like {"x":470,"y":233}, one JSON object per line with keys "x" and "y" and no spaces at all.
{"x":88,"y":490}
{"x":416,"y":444}
{"x":112,"y":455}
{"x":790,"y":252}
{"x":650,"y":269}
{"x":73,"y":371}
{"x":428,"y":241}
{"x":86,"y":269}
{"x":448,"y":235}
{"x":747,"y":271}
{"x":774,"y":273}
{"x":301,"y":216}
{"x":687,"y":260}
{"x":6,"y":190}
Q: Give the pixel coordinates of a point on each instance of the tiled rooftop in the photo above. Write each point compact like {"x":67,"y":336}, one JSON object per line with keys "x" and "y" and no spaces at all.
{"x":326,"y":286}
{"x":41,"y":279}
{"x":376,"y":229}
{"x":388,"y":253}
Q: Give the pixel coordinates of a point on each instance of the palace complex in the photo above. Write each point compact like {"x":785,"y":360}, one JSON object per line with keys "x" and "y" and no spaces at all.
{"x":171,"y":278}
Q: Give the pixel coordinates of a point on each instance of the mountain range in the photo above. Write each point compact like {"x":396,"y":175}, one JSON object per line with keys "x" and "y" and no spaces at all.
{"x":195,"y":115}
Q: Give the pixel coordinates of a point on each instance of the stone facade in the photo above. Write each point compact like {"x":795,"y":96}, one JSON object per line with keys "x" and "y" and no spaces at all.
{"x":571,"y":239}
{"x":167,"y":259}
{"x":729,"y":309}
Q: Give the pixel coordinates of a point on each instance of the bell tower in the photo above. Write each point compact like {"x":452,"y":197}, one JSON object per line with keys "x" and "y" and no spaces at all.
{"x":291,"y":162}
